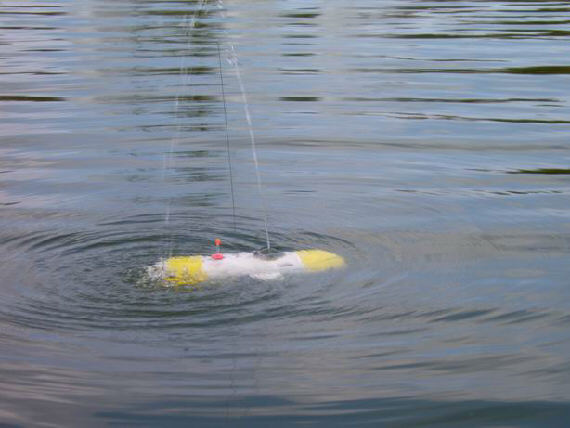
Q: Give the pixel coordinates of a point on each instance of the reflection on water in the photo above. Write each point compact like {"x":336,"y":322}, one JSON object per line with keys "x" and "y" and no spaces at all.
{"x":426,"y":142}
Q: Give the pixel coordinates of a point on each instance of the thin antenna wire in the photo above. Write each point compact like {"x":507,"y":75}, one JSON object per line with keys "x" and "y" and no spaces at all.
{"x":168,"y":161}
{"x":235,"y":63}
{"x":227,"y":137}
{"x":233,"y":59}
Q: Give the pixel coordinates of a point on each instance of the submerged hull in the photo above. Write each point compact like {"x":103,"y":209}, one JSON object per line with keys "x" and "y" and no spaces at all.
{"x":189,"y":270}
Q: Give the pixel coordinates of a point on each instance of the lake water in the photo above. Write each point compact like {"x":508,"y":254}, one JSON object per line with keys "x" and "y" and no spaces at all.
{"x":428,"y":142}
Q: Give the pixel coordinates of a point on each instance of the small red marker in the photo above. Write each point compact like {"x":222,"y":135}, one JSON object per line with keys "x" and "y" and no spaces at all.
{"x":217,"y":255}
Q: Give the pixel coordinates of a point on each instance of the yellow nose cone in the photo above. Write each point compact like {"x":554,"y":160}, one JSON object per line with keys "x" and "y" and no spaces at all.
{"x":184,"y":270}
{"x":319,"y":260}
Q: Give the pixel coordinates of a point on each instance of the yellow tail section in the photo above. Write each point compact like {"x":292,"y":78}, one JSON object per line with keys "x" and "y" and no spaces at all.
{"x":319,"y":260}
{"x":185,"y":270}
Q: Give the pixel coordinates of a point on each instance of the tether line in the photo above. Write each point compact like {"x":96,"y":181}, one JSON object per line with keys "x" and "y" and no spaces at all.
{"x":168,"y":160}
{"x":234,"y":61}
{"x":227,"y":137}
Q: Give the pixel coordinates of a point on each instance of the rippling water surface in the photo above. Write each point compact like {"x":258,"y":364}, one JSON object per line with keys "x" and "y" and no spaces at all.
{"x":425,"y":141}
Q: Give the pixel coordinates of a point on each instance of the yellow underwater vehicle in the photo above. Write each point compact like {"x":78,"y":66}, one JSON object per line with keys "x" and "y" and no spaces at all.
{"x":190,"y":270}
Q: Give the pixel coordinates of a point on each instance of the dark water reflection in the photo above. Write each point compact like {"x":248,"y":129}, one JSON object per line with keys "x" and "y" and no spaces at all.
{"x":427,"y":142}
